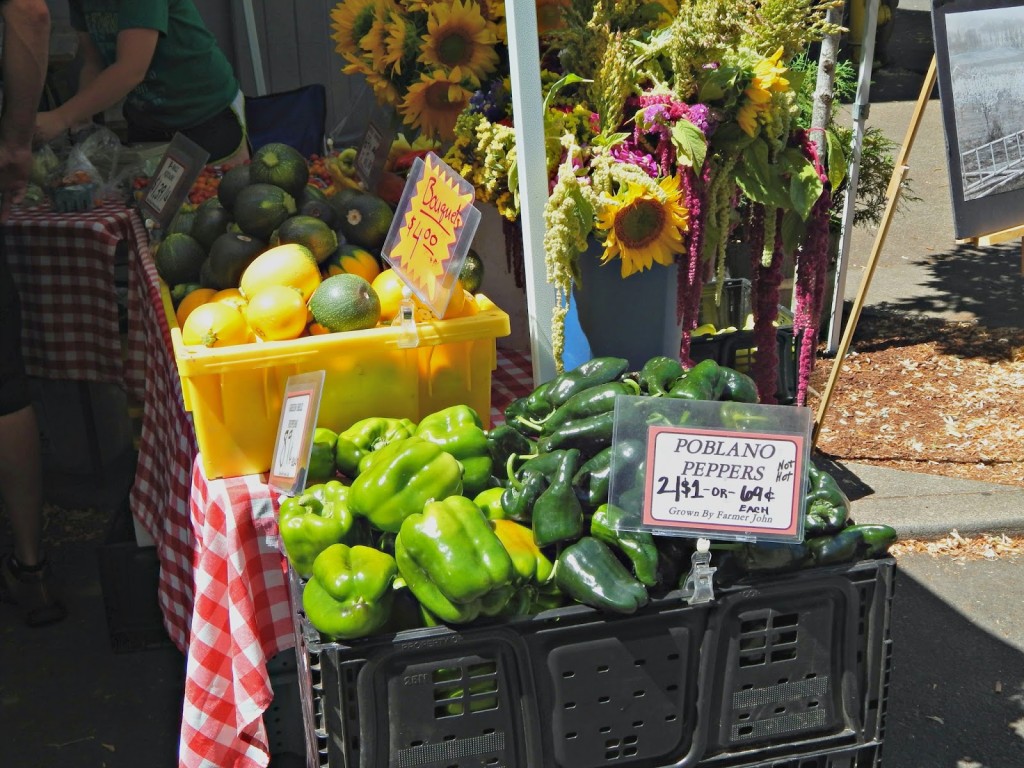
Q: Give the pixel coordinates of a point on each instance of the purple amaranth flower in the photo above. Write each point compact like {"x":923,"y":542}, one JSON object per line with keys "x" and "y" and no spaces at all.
{"x":627,"y":152}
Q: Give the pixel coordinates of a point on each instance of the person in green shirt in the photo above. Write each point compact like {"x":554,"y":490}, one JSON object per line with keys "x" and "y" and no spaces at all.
{"x":159,"y":57}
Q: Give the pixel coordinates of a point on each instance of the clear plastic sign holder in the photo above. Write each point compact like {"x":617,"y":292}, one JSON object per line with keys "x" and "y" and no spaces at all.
{"x":293,"y":447}
{"x":170,"y":183}
{"x":716,"y":470}
{"x":373,"y":153}
{"x":698,"y":584}
{"x":432,"y":231}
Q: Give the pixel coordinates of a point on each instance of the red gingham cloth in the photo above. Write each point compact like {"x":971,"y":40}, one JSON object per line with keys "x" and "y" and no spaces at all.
{"x":64,"y":266}
{"x":159,"y":497}
{"x":241,"y":618}
{"x":242,"y":615}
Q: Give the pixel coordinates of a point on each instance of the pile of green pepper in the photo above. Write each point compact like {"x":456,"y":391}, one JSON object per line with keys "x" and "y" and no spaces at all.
{"x":465,"y":521}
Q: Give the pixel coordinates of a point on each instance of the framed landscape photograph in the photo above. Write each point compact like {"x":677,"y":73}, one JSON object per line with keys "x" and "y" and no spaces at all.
{"x":979,"y":57}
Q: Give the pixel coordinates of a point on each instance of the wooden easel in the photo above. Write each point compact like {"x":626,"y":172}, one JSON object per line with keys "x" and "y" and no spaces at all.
{"x":892,"y":193}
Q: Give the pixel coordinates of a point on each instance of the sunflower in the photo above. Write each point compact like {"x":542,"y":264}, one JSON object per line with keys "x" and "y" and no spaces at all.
{"x":350,"y":21}
{"x":403,"y":43}
{"x":769,"y":78}
{"x":459,"y":37}
{"x":644,"y":225}
{"x":374,"y":42}
{"x":433,"y":104}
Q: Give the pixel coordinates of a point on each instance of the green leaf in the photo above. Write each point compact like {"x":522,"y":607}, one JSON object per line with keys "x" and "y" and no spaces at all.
{"x":729,"y":138}
{"x":691,"y":146}
{"x":610,"y":140}
{"x":584,"y":211}
{"x":835,"y":159}
{"x":805,"y":185}
{"x":793,"y":230}
{"x":760,"y":180}
{"x":558,"y":85}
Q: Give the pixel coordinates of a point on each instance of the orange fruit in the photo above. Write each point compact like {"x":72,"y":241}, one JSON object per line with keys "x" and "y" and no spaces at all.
{"x":315,"y":329}
{"x":388,"y":287}
{"x":196,"y":298}
{"x":231,"y":296}
{"x":276,"y":313}
{"x":214,"y":325}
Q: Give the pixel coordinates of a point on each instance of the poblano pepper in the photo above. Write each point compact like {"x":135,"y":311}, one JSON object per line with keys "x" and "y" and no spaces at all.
{"x":504,"y":441}
{"x":453,"y":561}
{"x":828,"y":508}
{"x":403,"y":477}
{"x":708,"y":380}
{"x":312,"y":521}
{"x":557,"y":515}
{"x":592,"y":401}
{"x":638,"y":546}
{"x":350,"y":593}
{"x":589,"y":435}
{"x":551,"y":394}
{"x":593,"y":478}
{"x":365,"y":437}
{"x":659,"y":374}
{"x":459,"y":431}
{"x":771,"y":556}
{"x":590,"y":573}
{"x":517,"y":499}
{"x":852,"y":543}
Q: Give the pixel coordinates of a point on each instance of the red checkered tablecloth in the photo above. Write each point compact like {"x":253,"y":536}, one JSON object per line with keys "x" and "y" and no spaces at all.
{"x":241,"y":615}
{"x":65,"y":266}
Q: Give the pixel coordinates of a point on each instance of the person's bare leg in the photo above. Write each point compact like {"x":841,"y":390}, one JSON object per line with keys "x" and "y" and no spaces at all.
{"x":21,"y":482}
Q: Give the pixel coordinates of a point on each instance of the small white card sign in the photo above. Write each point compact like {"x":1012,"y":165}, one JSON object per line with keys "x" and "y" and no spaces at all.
{"x":300,"y":408}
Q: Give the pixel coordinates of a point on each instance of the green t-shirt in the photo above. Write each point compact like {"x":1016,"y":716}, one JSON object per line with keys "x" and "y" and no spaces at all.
{"x":189,"y":81}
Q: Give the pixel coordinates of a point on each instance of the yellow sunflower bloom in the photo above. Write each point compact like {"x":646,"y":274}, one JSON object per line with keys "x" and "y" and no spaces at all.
{"x":350,"y":21}
{"x":458,"y":36}
{"x":374,"y":42}
{"x":433,"y":104}
{"x":643,"y":227}
{"x":768,"y":79}
{"x":403,"y":43}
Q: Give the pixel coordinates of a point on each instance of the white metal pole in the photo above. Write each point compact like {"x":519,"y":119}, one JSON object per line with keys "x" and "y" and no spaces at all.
{"x":861,"y":107}
{"x":531,"y":162}
{"x":254,"y":47}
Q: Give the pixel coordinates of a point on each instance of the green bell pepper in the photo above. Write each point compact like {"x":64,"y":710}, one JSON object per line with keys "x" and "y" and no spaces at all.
{"x":637,"y":546}
{"x":321,"y":456}
{"x":489,"y":502}
{"x":366,"y":436}
{"x":557,"y":514}
{"x":453,"y":562}
{"x":312,"y":521}
{"x":350,"y":592}
{"x":459,"y":431}
{"x":590,"y":573}
{"x":531,"y":568}
{"x":403,"y":477}
{"x":659,"y":374}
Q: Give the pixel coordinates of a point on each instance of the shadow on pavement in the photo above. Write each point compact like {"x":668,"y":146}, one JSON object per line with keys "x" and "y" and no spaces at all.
{"x":985,"y":282}
{"x":957,"y":691}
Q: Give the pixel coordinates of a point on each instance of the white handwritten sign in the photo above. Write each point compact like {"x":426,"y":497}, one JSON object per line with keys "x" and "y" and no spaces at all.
{"x":717,"y":482}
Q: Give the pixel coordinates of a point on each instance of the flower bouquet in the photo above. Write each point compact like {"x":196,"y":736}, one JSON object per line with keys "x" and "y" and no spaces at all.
{"x":668,"y":128}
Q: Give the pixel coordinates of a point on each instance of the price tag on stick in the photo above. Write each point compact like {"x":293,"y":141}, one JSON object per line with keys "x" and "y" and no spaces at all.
{"x":169,"y":185}
{"x":299,"y":411}
{"x":432,"y":230}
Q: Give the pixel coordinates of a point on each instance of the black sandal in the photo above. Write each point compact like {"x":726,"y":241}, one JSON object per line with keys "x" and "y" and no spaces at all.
{"x":31,"y":589}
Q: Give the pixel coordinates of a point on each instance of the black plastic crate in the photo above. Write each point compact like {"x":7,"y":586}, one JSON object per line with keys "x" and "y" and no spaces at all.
{"x":673,"y":685}
{"x":129,"y":579}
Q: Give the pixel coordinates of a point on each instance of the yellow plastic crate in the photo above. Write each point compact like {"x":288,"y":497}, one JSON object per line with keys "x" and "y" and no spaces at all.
{"x":235,"y":393}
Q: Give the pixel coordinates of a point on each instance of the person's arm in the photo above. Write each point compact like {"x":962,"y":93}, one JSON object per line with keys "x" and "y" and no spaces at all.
{"x":25,"y":57}
{"x":101,"y":88}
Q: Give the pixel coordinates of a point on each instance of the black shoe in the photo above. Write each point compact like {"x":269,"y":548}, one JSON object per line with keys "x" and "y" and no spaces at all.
{"x":31,"y":589}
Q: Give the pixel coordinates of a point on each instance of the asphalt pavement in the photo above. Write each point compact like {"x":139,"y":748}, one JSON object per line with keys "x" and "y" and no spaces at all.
{"x":956,"y":690}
